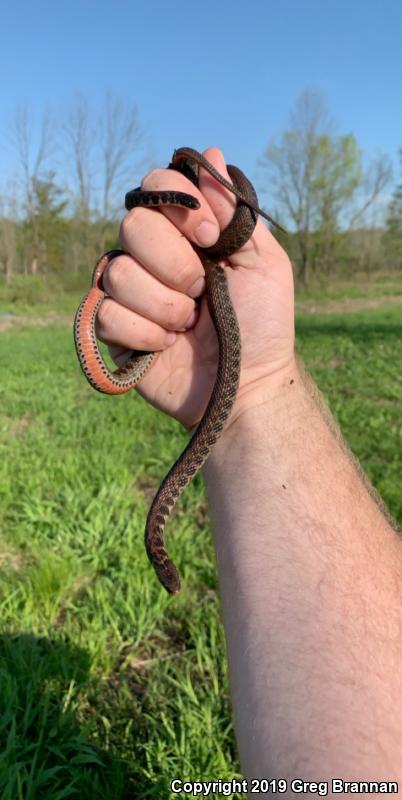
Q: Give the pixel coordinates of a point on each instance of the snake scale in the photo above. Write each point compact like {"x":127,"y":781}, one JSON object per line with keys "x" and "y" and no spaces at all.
{"x":236,"y":234}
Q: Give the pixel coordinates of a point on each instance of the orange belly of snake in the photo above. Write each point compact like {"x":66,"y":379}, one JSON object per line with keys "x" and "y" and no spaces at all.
{"x":240,"y":229}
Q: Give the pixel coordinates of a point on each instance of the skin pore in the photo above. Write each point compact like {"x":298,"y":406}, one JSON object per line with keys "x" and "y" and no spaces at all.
{"x":309,"y":564}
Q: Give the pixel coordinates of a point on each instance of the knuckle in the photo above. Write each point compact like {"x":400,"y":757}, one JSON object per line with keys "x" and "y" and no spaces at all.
{"x":106,"y":318}
{"x":149,"y":343}
{"x":182,"y":274}
{"x":153,"y":179}
{"x":125,"y":226}
{"x":130,"y":222}
{"x":175,"y":314}
{"x":115,"y":275}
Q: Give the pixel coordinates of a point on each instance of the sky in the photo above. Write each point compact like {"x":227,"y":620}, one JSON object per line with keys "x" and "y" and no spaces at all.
{"x":212,"y":72}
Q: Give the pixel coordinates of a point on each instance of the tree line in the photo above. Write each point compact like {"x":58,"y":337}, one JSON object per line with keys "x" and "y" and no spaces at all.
{"x":342,"y":213}
{"x":50,"y":223}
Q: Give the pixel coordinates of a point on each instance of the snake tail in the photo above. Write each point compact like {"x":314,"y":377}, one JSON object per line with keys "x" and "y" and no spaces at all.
{"x":208,"y":431}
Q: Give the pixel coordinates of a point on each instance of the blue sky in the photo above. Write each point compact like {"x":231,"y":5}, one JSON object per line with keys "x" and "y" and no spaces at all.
{"x":221,"y":73}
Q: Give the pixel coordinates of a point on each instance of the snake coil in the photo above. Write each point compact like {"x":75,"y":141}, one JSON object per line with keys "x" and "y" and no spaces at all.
{"x":238,"y":232}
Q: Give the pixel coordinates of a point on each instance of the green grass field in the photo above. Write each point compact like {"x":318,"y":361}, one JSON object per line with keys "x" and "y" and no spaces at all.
{"x":108,"y":687}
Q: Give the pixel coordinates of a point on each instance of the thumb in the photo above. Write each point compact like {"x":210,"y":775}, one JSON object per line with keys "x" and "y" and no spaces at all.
{"x":223,"y":204}
{"x":221,"y":200}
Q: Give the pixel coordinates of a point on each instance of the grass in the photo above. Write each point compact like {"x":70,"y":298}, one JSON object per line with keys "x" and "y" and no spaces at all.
{"x":36,"y":296}
{"x":353,"y":286}
{"x":104,"y":677}
{"x":108,"y":687}
{"x":356,"y":360}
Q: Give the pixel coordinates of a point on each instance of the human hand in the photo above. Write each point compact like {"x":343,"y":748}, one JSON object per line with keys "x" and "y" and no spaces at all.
{"x":151,"y":293}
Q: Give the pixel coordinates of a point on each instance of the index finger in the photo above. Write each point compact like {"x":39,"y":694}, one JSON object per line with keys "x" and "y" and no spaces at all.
{"x":217,"y":204}
{"x":159,"y":237}
{"x":157,"y":246}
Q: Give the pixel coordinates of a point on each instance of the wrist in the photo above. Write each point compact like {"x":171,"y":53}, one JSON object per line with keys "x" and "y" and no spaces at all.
{"x":272,"y":393}
{"x":277,"y":422}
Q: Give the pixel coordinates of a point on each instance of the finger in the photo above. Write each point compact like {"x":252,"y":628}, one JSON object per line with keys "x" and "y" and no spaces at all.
{"x":131,"y":285}
{"x":200,"y":225}
{"x":221,"y":200}
{"x":160,"y":247}
{"x":120,"y":326}
{"x":217,"y":203}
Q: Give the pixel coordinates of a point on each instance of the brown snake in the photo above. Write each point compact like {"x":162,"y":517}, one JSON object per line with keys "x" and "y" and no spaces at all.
{"x":236,"y":234}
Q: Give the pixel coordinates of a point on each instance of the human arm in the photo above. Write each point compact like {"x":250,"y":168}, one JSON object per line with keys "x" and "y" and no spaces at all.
{"x":310,"y":579}
{"x":289,"y":559}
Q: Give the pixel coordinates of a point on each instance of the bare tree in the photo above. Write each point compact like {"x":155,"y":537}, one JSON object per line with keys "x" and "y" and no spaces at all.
{"x":8,"y":233}
{"x":104,"y":149}
{"x":80,"y":134}
{"x":120,"y":140}
{"x":393,"y":233}
{"x":32,"y":161}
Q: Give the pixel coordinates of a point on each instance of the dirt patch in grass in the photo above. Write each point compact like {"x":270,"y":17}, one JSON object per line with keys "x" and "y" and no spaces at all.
{"x":11,"y":321}
{"x":11,"y":559}
{"x":147,"y":488}
{"x":347,"y":305}
{"x":76,"y":593}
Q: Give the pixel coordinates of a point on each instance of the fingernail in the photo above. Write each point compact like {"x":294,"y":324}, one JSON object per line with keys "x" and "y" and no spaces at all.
{"x":206,"y":233}
{"x":170,"y":338}
{"x":197,"y":288}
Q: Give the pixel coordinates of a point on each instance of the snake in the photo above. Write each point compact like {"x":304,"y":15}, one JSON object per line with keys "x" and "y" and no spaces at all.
{"x":187,"y":161}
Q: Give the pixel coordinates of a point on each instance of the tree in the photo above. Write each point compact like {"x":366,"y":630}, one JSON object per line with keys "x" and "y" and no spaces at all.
{"x":31,"y":165}
{"x":316,"y":176}
{"x":291,"y":164}
{"x":336,"y":176}
{"x":47,"y":222}
{"x":80,"y":133}
{"x":103,"y":147}
{"x":8,"y":233}
{"x":120,"y":139}
{"x":393,"y":234}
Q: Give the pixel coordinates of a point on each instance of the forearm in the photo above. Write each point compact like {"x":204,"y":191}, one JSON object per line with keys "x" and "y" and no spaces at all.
{"x":310,"y":578}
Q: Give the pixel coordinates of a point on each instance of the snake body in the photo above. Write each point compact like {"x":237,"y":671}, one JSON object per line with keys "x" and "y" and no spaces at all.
{"x":237,"y":233}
